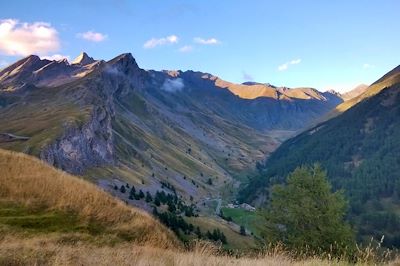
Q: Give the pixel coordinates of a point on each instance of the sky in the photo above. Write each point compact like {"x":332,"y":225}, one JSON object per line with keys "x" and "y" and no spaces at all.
{"x":323,"y":44}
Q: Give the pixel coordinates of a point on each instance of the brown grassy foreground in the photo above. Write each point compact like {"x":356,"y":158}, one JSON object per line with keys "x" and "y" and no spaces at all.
{"x":28,"y":181}
{"x":47,"y":251}
{"x":33,"y":193}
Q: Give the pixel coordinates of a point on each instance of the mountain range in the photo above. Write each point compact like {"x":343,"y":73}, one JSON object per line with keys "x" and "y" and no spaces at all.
{"x":112,"y":121}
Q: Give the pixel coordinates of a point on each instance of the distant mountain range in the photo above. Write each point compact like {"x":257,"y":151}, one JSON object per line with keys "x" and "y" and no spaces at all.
{"x":113,"y":121}
{"x":360,"y":150}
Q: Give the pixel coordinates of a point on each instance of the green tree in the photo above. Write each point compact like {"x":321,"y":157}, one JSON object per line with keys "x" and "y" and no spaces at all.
{"x":157,"y":201}
{"x":148,"y":197}
{"x":305,"y":215}
{"x":141,"y":194}
{"x":242,"y":230}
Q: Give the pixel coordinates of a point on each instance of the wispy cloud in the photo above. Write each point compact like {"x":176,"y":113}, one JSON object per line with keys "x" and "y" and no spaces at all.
{"x":286,"y":65}
{"x":186,"y":49}
{"x":161,"y":41}
{"x":21,"y":38}
{"x":246,"y":76}
{"x":92,"y":36}
{"x":211,"y":41}
{"x":173,"y":85}
{"x":367,"y":66}
{"x":56,"y":57}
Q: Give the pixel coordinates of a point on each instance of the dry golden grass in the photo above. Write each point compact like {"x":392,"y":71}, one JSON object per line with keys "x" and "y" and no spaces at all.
{"x":49,"y":251}
{"x":41,"y":251}
{"x":28,"y":181}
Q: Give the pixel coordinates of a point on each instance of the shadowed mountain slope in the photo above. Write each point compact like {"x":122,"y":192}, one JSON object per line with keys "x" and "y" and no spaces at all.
{"x":359,"y":149}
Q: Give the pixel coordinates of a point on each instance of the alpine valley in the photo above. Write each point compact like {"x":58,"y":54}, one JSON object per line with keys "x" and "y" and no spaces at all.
{"x":201,"y":142}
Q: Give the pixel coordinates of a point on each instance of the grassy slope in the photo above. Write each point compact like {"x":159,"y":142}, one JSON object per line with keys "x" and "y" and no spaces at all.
{"x":250,"y":220}
{"x":148,"y":142}
{"x":235,"y":240}
{"x":45,"y":252}
{"x":36,"y":198}
{"x":41,"y":115}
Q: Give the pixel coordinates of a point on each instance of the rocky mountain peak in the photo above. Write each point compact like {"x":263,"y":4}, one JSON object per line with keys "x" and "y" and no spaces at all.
{"x":22,"y":69}
{"x":125,"y":63}
{"x":125,"y":59}
{"x":124,"y":69}
{"x":83,"y":59}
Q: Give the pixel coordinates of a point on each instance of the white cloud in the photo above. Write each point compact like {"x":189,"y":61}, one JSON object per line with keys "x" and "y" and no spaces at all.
{"x":283,"y":67}
{"x":56,"y":57}
{"x":161,"y":41}
{"x":286,"y":65}
{"x":92,"y":36}
{"x":173,"y":85}
{"x":21,"y":38}
{"x":186,"y":49}
{"x":295,"y":62}
{"x":247,"y":76}
{"x":367,"y":66}
{"x":210,"y":41}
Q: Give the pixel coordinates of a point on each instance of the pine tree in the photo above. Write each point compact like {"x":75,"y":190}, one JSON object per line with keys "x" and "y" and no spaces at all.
{"x":148,"y":197}
{"x":157,"y":201}
{"x":133,"y":190}
{"x":304,"y":213}
{"x":141,"y":194}
{"x":242,"y":230}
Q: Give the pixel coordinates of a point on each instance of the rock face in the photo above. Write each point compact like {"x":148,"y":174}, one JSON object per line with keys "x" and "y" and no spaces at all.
{"x":81,"y":148}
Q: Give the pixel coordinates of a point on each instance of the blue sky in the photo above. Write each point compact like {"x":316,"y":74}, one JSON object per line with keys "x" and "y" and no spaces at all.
{"x":322,"y":44}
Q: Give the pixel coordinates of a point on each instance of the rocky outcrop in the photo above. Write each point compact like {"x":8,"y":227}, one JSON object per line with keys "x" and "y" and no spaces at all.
{"x":80,"y":148}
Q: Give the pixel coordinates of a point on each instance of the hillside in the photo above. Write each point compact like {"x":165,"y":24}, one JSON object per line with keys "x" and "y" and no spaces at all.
{"x":360,"y":89}
{"x":37,"y":200}
{"x":360,"y":151}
